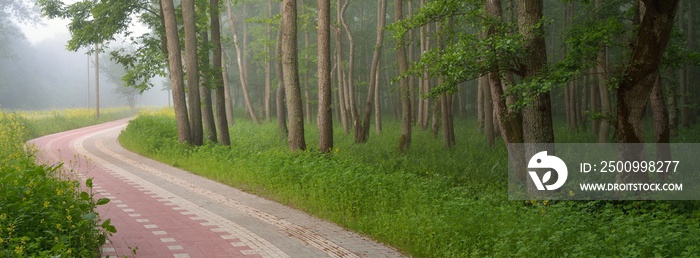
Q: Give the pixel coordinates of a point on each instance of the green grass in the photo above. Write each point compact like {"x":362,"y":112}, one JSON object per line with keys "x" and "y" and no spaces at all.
{"x":44,"y":213}
{"x":429,"y":202}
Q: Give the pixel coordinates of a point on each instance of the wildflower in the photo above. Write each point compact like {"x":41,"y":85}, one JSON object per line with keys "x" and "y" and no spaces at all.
{"x":19,"y":250}
{"x":46,"y":204}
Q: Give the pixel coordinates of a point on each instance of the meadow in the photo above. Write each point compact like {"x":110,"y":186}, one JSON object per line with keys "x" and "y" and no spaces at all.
{"x":430,"y":202}
{"x":44,"y":213}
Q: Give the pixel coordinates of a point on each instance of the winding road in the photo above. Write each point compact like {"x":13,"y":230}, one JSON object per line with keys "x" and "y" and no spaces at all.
{"x":162,"y":211}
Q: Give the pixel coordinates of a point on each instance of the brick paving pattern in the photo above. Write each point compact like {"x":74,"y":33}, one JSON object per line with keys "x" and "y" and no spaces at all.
{"x":161,"y":211}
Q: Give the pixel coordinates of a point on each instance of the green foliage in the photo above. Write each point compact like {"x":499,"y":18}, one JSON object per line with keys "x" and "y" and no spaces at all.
{"x":43,"y":212}
{"x":429,"y":202}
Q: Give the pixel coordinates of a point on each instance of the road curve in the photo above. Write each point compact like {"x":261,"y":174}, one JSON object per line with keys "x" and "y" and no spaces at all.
{"x":161,"y":211}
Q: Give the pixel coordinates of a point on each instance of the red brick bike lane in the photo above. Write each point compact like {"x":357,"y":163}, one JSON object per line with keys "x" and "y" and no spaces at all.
{"x":147,"y":224}
{"x":161,"y":211}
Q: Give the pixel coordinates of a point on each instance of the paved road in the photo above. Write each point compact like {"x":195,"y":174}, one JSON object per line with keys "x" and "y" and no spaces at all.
{"x":161,"y":211}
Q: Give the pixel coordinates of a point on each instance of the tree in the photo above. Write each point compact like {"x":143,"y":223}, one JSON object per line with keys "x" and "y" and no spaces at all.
{"x":362,"y":130}
{"x":175,"y":64}
{"x":205,"y":90}
{"x":406,"y":114}
{"x":280,"y":94}
{"x":243,"y":75}
{"x":325,"y":112}
{"x":218,"y":80}
{"x":192,"y":66}
{"x":601,"y":69}
{"x":639,"y":77}
{"x":290,"y":72}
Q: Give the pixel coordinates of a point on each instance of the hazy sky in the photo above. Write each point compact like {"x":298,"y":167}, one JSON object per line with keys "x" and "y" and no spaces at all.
{"x":49,"y":29}
{"x":54,"y":29}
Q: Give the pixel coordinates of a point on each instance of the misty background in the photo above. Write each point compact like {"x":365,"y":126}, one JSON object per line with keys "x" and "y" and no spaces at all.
{"x":42,"y":74}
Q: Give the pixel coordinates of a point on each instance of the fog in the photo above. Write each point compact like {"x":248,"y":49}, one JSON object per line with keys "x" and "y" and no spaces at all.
{"x":45,"y":75}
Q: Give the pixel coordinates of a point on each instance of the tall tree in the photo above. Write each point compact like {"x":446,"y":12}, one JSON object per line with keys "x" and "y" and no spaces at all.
{"x":362,"y":133}
{"x":537,"y":116}
{"x":290,"y":70}
{"x":605,"y":106}
{"x":242,"y":74}
{"x":175,"y":71}
{"x":349,"y":81}
{"x":340,"y":71}
{"x":221,"y":120}
{"x":325,"y":112}
{"x":639,"y":77}
{"x":280,"y":94}
{"x":97,"y":80}
{"x":405,"y":90}
{"x":192,"y":66}
{"x":227,"y":89}
{"x":205,"y":91}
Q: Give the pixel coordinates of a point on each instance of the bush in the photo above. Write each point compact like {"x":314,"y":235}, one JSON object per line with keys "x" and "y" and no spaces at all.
{"x":43,"y":212}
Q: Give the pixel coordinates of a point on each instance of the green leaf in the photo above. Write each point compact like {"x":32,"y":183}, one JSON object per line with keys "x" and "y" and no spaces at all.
{"x":88,"y":182}
{"x":84,"y":195}
{"x":102,"y":201}
{"x":111,"y":229}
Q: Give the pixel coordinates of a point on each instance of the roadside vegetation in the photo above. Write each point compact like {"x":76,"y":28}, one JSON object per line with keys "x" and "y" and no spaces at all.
{"x":43,"y":212}
{"x":429,"y":202}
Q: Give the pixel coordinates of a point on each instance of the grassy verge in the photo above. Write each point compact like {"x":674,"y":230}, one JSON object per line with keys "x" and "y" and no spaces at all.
{"x":429,"y":202}
{"x":42,"y":212}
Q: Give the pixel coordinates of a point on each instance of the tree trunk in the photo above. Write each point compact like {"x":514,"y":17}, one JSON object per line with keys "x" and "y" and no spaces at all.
{"x":241,"y":67}
{"x":377,"y":98}
{"x":218,"y":80}
{"x":448,"y":131}
{"x":638,"y":79}
{"x":280,"y":95}
{"x":480,"y":104}
{"x":684,"y":80}
{"x":362,"y":134}
{"x":192,"y":66}
{"x":290,"y":71}
{"x":488,"y":111}
{"x":583,"y":106}
{"x":307,"y":96}
{"x":537,"y":116}
{"x":605,"y":106}
{"x":594,"y":99}
{"x":435,"y":121}
{"x":205,"y":93}
{"x":405,"y":139}
{"x":268,"y":64}
{"x":175,"y":71}
{"x":342,"y":104}
{"x":509,"y":120}
{"x":425,"y":80}
{"x":227,"y":91}
{"x":662,"y":132}
{"x":350,"y":83}
{"x":671,"y":92}
{"x":325,"y":112}
{"x":97,"y":80}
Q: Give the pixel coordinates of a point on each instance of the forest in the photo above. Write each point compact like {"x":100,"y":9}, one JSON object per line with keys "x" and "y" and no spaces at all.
{"x":401,"y":114}
{"x":515,"y":66}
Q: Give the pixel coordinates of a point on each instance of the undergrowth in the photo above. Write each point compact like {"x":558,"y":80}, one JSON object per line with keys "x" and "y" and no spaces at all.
{"x":43,"y":212}
{"x":430,"y":202}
